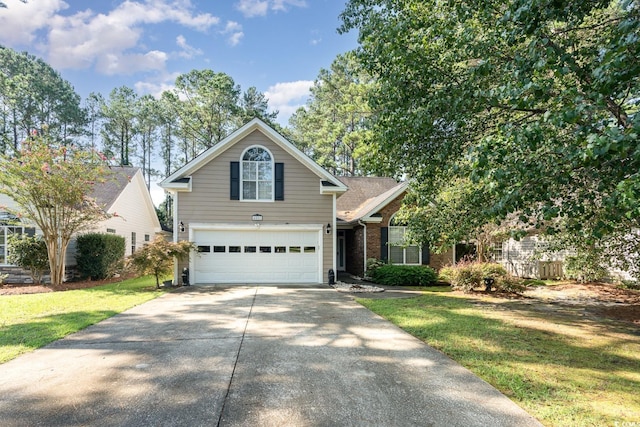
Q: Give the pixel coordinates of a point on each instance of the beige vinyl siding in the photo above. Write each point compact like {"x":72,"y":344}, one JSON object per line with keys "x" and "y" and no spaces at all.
{"x":209,"y":200}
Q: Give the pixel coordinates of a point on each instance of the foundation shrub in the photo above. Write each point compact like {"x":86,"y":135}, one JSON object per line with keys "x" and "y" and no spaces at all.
{"x":99,"y":254}
{"x":404,"y":275}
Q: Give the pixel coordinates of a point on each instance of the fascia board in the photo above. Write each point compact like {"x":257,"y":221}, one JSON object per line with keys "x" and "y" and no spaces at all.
{"x":255,"y":124}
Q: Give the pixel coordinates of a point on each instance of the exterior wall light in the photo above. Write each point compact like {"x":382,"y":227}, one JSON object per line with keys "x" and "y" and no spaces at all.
{"x":328,"y":228}
{"x":181,"y":227}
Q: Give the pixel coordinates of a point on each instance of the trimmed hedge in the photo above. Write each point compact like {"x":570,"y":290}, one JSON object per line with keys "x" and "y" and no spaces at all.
{"x":404,"y":275}
{"x":98,"y":254}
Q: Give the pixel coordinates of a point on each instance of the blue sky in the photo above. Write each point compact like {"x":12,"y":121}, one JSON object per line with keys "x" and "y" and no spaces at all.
{"x":278,"y":46}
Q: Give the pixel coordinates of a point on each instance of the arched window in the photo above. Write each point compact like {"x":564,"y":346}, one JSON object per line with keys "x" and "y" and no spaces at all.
{"x":399,"y":251}
{"x":257,"y":174}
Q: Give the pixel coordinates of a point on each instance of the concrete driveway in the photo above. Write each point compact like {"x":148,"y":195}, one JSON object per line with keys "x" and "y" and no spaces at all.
{"x":247,"y":356}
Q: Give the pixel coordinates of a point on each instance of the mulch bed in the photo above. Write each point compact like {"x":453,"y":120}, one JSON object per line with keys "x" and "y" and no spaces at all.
{"x":67,"y":286}
{"x":604,"y":300}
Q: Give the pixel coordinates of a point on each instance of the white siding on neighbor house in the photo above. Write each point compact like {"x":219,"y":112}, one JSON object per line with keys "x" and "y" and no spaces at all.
{"x":209,"y":202}
{"x":135,"y":214}
{"x":6,"y":201}
{"x":527,"y":257}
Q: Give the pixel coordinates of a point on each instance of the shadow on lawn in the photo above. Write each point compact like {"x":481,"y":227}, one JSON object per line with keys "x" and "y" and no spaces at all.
{"x":44,"y":330}
{"x":533,"y":356}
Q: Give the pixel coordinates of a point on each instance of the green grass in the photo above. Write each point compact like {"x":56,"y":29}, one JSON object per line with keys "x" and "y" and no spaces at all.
{"x":564,"y":371}
{"x":31,"y":321}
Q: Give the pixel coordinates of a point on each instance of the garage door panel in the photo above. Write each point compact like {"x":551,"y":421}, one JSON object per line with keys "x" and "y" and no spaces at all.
{"x":264,"y":257}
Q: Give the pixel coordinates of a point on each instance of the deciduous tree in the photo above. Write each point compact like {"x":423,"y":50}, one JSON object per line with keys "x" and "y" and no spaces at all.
{"x":536,"y":102}
{"x":157,"y":257}
{"x":52,"y":186}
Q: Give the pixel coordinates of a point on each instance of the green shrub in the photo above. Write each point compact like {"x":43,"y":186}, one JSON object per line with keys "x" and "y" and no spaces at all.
{"x":157,"y":257}
{"x":467,"y":276}
{"x":492,"y":269}
{"x":373,"y":264}
{"x":585,"y":266}
{"x":509,"y":283}
{"x":30,"y":253}
{"x":630,"y":284}
{"x":404,"y":275}
{"x":98,"y":254}
{"x":446,"y":273}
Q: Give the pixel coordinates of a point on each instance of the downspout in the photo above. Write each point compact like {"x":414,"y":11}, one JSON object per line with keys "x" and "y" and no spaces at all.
{"x":364,"y":261}
{"x":174,"y":197}
{"x":334,"y":225}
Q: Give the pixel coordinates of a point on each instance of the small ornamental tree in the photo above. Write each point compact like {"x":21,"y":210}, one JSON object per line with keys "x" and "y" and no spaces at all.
{"x":157,"y":257}
{"x":52,"y":186}
{"x":30,"y":253}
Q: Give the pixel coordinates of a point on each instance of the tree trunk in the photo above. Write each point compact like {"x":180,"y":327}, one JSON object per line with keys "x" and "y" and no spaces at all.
{"x":56,"y":249}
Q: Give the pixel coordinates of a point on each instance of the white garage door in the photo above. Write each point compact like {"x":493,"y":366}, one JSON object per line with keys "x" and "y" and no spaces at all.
{"x":257,"y":256}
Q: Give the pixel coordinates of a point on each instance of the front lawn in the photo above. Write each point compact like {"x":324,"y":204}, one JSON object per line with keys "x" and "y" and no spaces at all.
{"x":31,"y":321}
{"x":563,"y":370}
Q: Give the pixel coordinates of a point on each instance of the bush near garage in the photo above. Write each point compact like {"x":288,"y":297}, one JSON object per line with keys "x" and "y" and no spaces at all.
{"x":99,"y":254}
{"x":404,"y":275}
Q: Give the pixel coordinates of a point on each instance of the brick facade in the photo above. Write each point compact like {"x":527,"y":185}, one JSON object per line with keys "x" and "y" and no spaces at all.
{"x":354,"y":242}
{"x":437,"y":261}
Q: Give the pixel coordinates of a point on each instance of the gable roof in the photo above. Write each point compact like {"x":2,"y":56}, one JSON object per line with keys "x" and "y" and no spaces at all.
{"x":176,"y":181}
{"x":106,"y":193}
{"x":113,"y":189}
{"x":366,"y":196}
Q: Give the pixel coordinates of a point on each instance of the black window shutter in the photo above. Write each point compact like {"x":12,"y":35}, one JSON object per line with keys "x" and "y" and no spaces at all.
{"x":384,"y":239}
{"x":426,"y":254}
{"x":235,"y":181}
{"x":279,"y":191}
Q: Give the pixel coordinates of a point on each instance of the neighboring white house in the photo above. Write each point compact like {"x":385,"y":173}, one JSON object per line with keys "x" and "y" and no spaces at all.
{"x":126,"y":197}
{"x":529,"y":257}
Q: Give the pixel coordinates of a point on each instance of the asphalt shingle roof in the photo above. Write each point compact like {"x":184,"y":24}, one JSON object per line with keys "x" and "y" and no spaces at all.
{"x":364,"y":194}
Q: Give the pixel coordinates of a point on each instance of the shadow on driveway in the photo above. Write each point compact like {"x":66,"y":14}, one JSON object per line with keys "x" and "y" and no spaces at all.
{"x":247,"y":356}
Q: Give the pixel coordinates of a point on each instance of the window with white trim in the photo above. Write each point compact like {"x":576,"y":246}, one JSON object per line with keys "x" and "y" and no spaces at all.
{"x":496,"y":252}
{"x":257,"y":174}
{"x":399,"y":252}
{"x":9,"y":225}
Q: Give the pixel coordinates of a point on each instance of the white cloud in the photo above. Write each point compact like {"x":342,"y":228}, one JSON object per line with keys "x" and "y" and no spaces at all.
{"x":187,"y":51}
{"x":251,"y":8}
{"x":282,"y":4}
{"x":157,"y":84}
{"x":19,"y":22}
{"x":110,"y":42}
{"x":111,"y":64}
{"x":234,"y":31}
{"x":287,"y":97}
